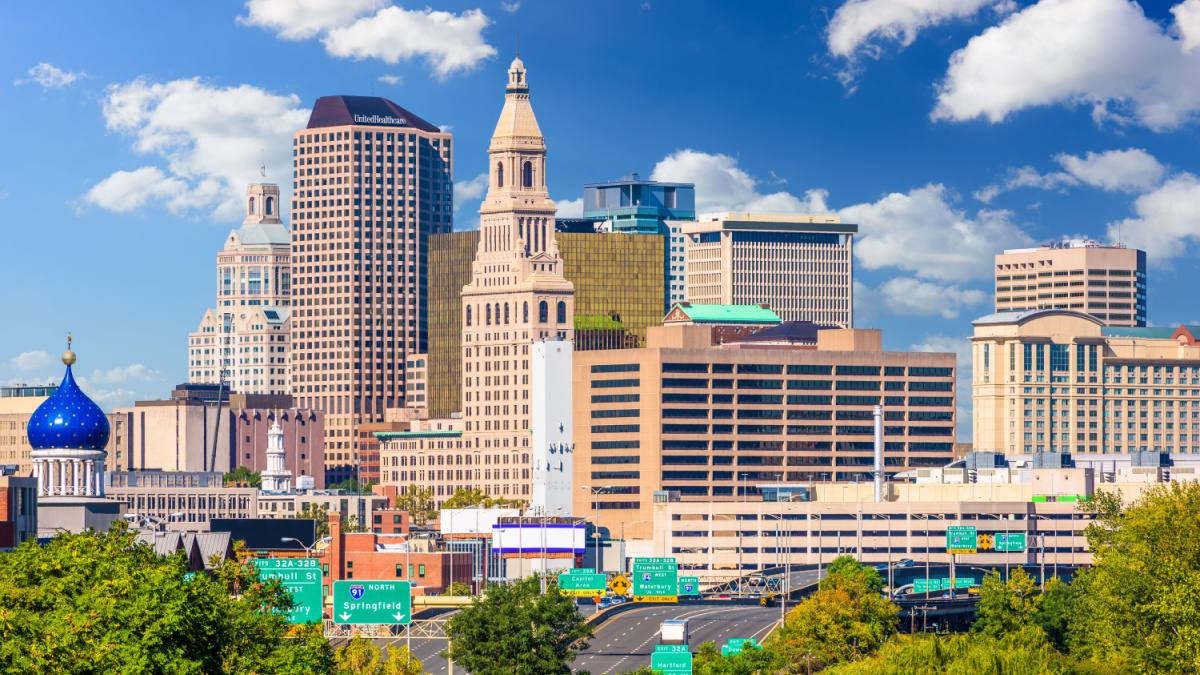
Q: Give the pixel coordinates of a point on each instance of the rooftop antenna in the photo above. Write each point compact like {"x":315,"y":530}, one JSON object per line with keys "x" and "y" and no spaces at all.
{"x":262,"y":170}
{"x":518,"y":44}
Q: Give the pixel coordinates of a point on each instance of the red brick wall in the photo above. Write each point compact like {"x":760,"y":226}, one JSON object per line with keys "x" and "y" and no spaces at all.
{"x":303,"y":441}
{"x":8,"y":521}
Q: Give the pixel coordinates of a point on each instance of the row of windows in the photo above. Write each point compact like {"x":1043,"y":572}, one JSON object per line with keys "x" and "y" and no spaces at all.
{"x":543,"y":313}
{"x":801,"y":369}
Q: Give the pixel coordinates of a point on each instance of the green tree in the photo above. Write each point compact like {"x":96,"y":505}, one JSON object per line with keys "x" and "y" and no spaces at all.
{"x":845,"y":619}
{"x":465,"y":498}
{"x":418,"y":502}
{"x":353,"y":486}
{"x":362,"y":657}
{"x":846,"y":566}
{"x":104,"y":603}
{"x":1054,"y":617}
{"x":459,"y":588}
{"x":515,"y":628}
{"x":241,"y":474}
{"x":967,"y":655}
{"x":1139,"y":605}
{"x":1007,"y":607}
{"x":319,"y":513}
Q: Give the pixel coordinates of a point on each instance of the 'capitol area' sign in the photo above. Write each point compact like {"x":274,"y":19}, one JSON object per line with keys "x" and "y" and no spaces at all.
{"x":387,"y":120}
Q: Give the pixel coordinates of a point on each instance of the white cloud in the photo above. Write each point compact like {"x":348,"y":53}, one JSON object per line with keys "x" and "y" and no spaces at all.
{"x":391,"y":79}
{"x":1102,"y":53}
{"x":920,"y":232}
{"x":569,"y":208}
{"x":1167,"y":219}
{"x":510,"y":7}
{"x":50,"y":77}
{"x":211,"y":138}
{"x":468,"y":190}
{"x":135,"y":372}
{"x":302,"y":19}
{"x":362,"y":29}
{"x":125,"y":191}
{"x":108,"y":399}
{"x":858,"y":22}
{"x":31,"y":360}
{"x":722,"y":186}
{"x":961,"y":348}
{"x":906,"y":296}
{"x":1132,"y":170}
{"x":1187,"y":23}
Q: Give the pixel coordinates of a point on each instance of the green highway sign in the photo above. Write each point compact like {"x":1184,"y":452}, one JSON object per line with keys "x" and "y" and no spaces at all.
{"x":961,"y":539}
{"x":302,"y":578}
{"x":926,"y":585}
{"x":960,"y":582}
{"x":736,"y":645}
{"x":378,"y":602}
{"x":655,"y":580}
{"x":1010,"y":541}
{"x":188,"y":576}
{"x":582,"y":585}
{"x":672,"y":659}
{"x":689,"y":585}
{"x":581,"y":570}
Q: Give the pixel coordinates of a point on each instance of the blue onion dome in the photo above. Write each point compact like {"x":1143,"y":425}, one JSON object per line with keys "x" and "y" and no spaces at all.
{"x":68,"y":419}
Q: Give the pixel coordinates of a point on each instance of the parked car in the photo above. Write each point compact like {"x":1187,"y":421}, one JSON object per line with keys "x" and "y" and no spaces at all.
{"x":905,"y":562}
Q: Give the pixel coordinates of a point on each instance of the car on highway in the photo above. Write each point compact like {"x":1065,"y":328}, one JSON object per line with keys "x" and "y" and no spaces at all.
{"x":946,"y":596}
{"x":616,"y":600}
{"x":722,"y":596}
{"x":905,"y":562}
{"x":604,"y":604}
{"x":881,"y":566}
{"x":898,"y":596}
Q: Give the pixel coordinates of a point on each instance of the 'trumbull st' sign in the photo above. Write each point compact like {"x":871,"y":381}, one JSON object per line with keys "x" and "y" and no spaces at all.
{"x":375,"y":602}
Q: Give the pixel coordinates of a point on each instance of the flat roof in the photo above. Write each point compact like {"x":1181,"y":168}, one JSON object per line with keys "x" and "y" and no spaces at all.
{"x":394,"y":435}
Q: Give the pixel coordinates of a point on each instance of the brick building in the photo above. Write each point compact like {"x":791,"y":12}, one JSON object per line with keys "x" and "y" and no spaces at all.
{"x":370,"y":556}
{"x":18,"y":510}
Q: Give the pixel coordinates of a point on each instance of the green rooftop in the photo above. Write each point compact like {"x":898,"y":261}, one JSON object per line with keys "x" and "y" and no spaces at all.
{"x":401,"y":435}
{"x":585,"y":322}
{"x":1146,"y":332}
{"x":726,"y":313}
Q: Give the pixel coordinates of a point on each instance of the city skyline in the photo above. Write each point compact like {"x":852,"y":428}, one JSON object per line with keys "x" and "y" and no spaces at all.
{"x":149,"y":146}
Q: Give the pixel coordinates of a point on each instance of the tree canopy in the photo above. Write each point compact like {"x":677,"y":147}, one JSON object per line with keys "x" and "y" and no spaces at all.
{"x":418,"y":502}
{"x":465,"y":498}
{"x":241,"y":474}
{"x":104,"y":603}
{"x":515,"y":629}
{"x":319,"y":513}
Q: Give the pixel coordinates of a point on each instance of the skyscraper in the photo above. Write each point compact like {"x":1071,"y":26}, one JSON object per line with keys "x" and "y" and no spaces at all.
{"x":246,"y":337}
{"x":517,"y":295}
{"x":372,"y":182}
{"x":800,"y":265}
{"x":1106,"y":281}
{"x":633,"y":205}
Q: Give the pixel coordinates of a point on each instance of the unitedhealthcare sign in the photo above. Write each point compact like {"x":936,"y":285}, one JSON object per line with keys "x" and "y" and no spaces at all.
{"x":385,"y":120}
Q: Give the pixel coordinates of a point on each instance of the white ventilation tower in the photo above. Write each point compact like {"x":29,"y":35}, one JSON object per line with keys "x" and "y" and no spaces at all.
{"x":276,"y":478}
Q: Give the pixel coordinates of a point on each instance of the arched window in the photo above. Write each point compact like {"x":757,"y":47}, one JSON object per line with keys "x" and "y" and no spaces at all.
{"x":527,"y":174}
{"x":489,"y":315}
{"x":543,"y":312}
{"x":506,"y":313}
{"x":526,"y":313}
{"x":499,"y":174}
{"x":252,"y":206}
{"x":270,"y":206}
{"x":468,"y":315}
{"x":562,"y":312}
{"x":497,"y":314}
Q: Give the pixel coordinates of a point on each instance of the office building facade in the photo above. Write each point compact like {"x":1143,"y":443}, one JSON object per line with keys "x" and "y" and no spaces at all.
{"x":517,"y":294}
{"x":681,"y":415}
{"x":372,"y":183}
{"x":1060,"y":380}
{"x":1106,"y":281}
{"x":636,"y":206}
{"x":450,"y":258}
{"x":799,"y":265}
{"x":244,"y":341}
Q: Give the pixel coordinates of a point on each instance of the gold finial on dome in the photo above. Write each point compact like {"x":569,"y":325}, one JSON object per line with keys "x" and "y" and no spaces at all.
{"x":68,"y":356}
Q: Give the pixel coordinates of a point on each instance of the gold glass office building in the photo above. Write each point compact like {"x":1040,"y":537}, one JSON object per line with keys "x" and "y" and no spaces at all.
{"x":618,"y":295}
{"x":450,"y":257}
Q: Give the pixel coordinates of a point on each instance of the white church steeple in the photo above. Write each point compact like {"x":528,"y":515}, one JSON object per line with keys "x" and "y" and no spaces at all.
{"x":276,"y":478}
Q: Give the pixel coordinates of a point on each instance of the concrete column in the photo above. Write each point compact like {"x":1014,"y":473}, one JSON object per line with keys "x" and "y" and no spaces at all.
{"x":99,"y":479}
{"x":37,"y":473}
{"x":76,"y":477}
{"x":88,"y":473}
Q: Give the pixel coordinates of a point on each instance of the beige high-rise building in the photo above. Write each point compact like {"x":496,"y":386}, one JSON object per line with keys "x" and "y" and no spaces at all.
{"x":1059,"y":380}
{"x":1106,"y":281}
{"x":517,"y":294}
{"x":800,"y":265}
{"x":372,"y":182}
{"x":245,"y":339}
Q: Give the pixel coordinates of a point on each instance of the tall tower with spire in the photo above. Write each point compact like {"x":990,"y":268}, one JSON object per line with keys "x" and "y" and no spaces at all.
{"x":276,"y":478}
{"x":517,"y":294}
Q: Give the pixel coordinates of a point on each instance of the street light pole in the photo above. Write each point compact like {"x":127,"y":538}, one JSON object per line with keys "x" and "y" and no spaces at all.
{"x":596,"y":534}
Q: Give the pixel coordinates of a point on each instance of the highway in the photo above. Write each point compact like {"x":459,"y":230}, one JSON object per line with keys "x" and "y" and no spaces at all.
{"x":625,"y":641}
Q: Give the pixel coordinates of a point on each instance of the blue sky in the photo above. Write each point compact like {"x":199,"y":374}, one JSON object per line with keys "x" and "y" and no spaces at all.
{"x":948,"y":129}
